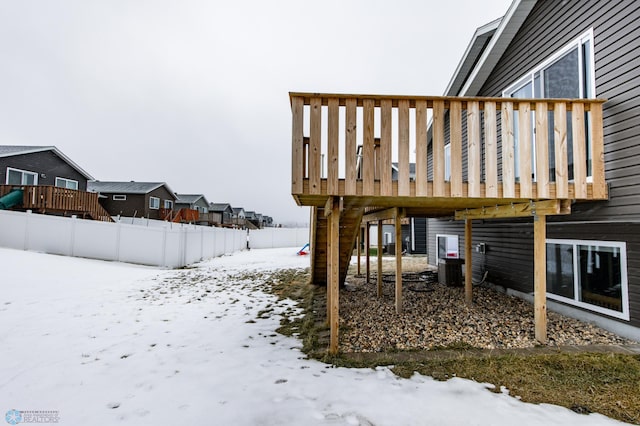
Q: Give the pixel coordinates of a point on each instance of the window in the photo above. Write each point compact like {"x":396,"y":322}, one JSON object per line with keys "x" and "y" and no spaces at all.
{"x":21,"y":177}
{"x":66,"y":183}
{"x":119,"y":197}
{"x":447,"y":246}
{"x":589,"y":274}
{"x":567,"y":74}
{"x":168,"y":204}
{"x":154,"y":202}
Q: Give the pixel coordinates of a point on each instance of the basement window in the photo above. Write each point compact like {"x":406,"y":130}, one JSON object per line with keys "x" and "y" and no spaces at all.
{"x":589,"y":274}
{"x":447,"y":246}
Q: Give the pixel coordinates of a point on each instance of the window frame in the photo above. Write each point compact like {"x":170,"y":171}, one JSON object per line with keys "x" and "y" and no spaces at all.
{"x":622,"y":246}
{"x":121,"y":197}
{"x":169,"y":203}
{"x":584,"y":90}
{"x":66,"y":180}
{"x":23,"y":172}
{"x":154,"y":205}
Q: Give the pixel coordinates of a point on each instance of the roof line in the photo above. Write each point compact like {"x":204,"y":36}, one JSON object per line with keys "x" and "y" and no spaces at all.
{"x":57,"y":152}
{"x":505,"y":33}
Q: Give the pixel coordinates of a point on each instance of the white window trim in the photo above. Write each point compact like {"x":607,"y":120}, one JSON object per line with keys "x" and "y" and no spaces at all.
{"x":577,"y":42}
{"x":529,"y":77}
{"x":151,"y":203}
{"x":169,"y":202}
{"x":623,"y":277}
{"x":121,"y":197}
{"x":35,"y":180}
{"x":448,"y":236}
{"x":66,"y":180}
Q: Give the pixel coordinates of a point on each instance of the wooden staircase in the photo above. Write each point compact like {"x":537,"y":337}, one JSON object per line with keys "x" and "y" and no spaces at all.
{"x":349,"y":227}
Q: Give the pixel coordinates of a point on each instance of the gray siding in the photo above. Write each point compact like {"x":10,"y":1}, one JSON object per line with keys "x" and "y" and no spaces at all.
{"x":550,"y":26}
{"x":45,"y":163}
{"x":616,"y":26}
{"x":509,"y":254}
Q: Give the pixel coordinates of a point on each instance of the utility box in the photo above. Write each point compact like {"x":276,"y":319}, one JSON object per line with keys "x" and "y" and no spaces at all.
{"x":450,"y":272}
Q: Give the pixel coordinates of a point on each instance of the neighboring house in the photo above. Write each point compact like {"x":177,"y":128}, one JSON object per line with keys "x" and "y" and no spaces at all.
{"x":251,"y":220}
{"x":569,"y":49}
{"x":40,"y":165}
{"x":44,"y":180}
{"x":268,"y":221}
{"x":134,"y":199}
{"x":224,"y":213}
{"x":192,"y":201}
{"x":196,"y":203}
{"x":238,"y":217}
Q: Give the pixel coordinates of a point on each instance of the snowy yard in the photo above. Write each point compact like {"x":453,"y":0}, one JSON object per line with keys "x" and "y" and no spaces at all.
{"x":104,"y":343}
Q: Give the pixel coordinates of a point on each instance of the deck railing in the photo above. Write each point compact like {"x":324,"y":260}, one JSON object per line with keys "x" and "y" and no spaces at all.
{"x":507,"y":144}
{"x":53,"y":198}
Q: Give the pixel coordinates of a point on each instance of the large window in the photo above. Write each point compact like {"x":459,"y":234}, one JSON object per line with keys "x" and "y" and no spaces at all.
{"x":589,"y":274}
{"x":154,"y":203}
{"x":21,"y":177}
{"x":447,"y":246}
{"x":66,"y":183}
{"x":567,"y":74}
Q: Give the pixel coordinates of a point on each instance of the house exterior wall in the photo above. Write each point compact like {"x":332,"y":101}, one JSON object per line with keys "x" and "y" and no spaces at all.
{"x":549,"y":27}
{"x":44,"y":162}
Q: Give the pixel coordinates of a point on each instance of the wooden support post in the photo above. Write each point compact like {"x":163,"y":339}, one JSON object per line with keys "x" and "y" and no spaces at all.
{"x":334,"y":267}
{"x":540,"y":277}
{"x":468,"y":271}
{"x":398,"y":225}
{"x":379,"y":258}
{"x":359,"y":250}
{"x":367,"y":247}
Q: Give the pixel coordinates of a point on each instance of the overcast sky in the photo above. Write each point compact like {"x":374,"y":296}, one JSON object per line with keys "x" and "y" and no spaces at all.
{"x":195,"y":93}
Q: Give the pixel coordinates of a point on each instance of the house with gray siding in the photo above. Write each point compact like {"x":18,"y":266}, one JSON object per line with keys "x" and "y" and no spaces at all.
{"x":135,"y":199}
{"x":40,"y":165}
{"x":569,"y":49}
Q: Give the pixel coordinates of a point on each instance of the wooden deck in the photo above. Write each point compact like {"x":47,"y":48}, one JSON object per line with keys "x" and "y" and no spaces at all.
{"x":475,"y":158}
{"x":52,"y":199}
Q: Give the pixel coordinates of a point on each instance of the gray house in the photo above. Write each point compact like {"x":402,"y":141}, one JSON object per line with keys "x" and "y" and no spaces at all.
{"x":223,"y":212}
{"x":40,"y":165}
{"x":569,"y":49}
{"x":193,"y":202}
{"x":238,"y":217}
{"x":135,"y":199}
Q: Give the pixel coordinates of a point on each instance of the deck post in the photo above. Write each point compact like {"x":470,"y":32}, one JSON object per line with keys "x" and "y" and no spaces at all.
{"x":540,"y":277}
{"x":379,"y":259}
{"x":468,"y":270}
{"x":398,"y":225}
{"x":367,"y":247}
{"x":334,"y":267}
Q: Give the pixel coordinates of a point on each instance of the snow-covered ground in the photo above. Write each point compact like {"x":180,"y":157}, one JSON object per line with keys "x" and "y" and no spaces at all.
{"x":104,"y":343}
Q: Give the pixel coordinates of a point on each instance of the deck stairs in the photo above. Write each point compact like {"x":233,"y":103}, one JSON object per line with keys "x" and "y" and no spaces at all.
{"x":350,"y":219}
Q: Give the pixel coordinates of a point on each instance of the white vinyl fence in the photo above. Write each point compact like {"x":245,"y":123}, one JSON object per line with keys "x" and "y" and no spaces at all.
{"x":152,"y":243}
{"x":278,"y":237}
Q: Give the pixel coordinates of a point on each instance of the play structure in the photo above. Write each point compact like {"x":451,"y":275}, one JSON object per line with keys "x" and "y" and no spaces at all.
{"x":11,"y":199}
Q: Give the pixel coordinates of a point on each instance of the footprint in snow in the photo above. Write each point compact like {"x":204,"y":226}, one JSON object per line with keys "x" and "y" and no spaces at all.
{"x":113,"y":405}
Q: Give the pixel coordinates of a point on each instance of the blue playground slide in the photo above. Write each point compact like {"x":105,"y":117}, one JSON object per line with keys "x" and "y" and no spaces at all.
{"x":11,"y":199}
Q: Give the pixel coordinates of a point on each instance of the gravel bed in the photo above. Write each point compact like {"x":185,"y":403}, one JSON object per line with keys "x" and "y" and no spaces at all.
{"x":435,"y":316}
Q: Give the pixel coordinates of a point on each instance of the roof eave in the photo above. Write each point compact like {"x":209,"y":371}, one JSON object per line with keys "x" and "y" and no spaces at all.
{"x":504,"y":34}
